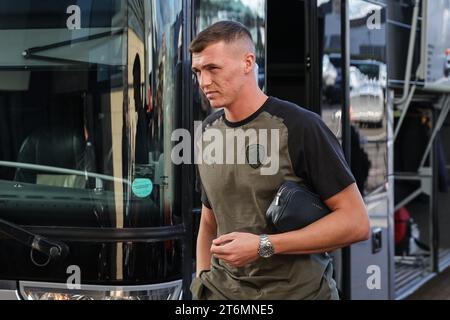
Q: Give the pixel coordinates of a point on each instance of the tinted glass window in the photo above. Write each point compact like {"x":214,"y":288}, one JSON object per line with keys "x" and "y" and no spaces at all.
{"x":85,"y":124}
{"x":368,"y":83}
{"x":368,"y":96}
{"x":85,"y":131}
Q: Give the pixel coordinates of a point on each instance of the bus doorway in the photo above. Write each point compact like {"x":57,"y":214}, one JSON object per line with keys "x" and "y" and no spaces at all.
{"x":288,"y":60}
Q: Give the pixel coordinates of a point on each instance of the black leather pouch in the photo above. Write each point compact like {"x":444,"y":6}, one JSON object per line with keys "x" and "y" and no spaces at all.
{"x":294,"y":207}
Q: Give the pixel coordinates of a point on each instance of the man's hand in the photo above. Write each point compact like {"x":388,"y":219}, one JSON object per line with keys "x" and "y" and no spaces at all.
{"x":236,"y":249}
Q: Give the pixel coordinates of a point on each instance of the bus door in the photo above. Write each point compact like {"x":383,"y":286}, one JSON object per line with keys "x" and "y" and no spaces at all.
{"x":367,"y":267}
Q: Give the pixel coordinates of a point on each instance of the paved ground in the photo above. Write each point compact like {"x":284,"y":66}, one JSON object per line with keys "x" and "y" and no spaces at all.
{"x":437,"y":289}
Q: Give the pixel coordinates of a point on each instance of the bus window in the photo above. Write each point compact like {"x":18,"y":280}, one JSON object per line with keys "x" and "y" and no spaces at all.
{"x":367,"y":85}
{"x":74,"y":113}
{"x":52,"y":33}
{"x":89,"y":99}
{"x":368,"y":97}
{"x":330,"y":55}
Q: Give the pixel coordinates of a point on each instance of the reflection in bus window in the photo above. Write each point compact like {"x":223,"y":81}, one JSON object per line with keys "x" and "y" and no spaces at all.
{"x":87,"y":109}
{"x":63,"y":120}
{"x":368,"y":97}
{"x":367,"y":84}
{"x":330,"y":50}
{"x":163,"y":72}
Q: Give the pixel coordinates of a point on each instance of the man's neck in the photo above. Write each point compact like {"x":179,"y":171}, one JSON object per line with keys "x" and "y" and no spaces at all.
{"x":245,"y":106}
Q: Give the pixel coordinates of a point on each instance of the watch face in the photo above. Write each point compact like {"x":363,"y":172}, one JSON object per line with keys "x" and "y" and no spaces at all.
{"x":266,"y":252}
{"x":266,"y":249}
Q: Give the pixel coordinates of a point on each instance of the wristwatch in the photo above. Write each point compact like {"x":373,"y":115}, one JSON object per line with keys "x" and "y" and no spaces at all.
{"x":265,"y":249}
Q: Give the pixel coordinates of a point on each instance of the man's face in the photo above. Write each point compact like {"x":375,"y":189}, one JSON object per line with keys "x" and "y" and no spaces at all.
{"x":220,"y":71}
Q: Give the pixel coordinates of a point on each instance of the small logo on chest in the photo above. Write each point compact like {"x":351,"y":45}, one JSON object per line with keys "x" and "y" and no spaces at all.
{"x":255,"y":155}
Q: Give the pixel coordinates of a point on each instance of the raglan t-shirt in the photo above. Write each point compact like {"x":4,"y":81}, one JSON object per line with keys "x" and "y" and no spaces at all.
{"x":241,"y":166}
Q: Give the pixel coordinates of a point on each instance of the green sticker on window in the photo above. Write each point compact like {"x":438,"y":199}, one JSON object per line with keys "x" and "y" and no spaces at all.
{"x":142,"y":188}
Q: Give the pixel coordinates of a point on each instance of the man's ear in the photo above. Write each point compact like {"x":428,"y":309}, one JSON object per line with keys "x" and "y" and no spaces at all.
{"x":249,"y":62}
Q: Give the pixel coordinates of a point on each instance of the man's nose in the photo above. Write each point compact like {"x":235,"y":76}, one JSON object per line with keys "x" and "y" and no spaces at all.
{"x":204,"y":80}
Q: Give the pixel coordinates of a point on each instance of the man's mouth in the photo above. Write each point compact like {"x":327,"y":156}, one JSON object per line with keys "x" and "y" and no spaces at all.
{"x":210,"y":93}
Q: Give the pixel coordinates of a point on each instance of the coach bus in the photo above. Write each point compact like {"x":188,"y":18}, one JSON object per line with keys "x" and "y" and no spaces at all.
{"x":92,"y":205}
